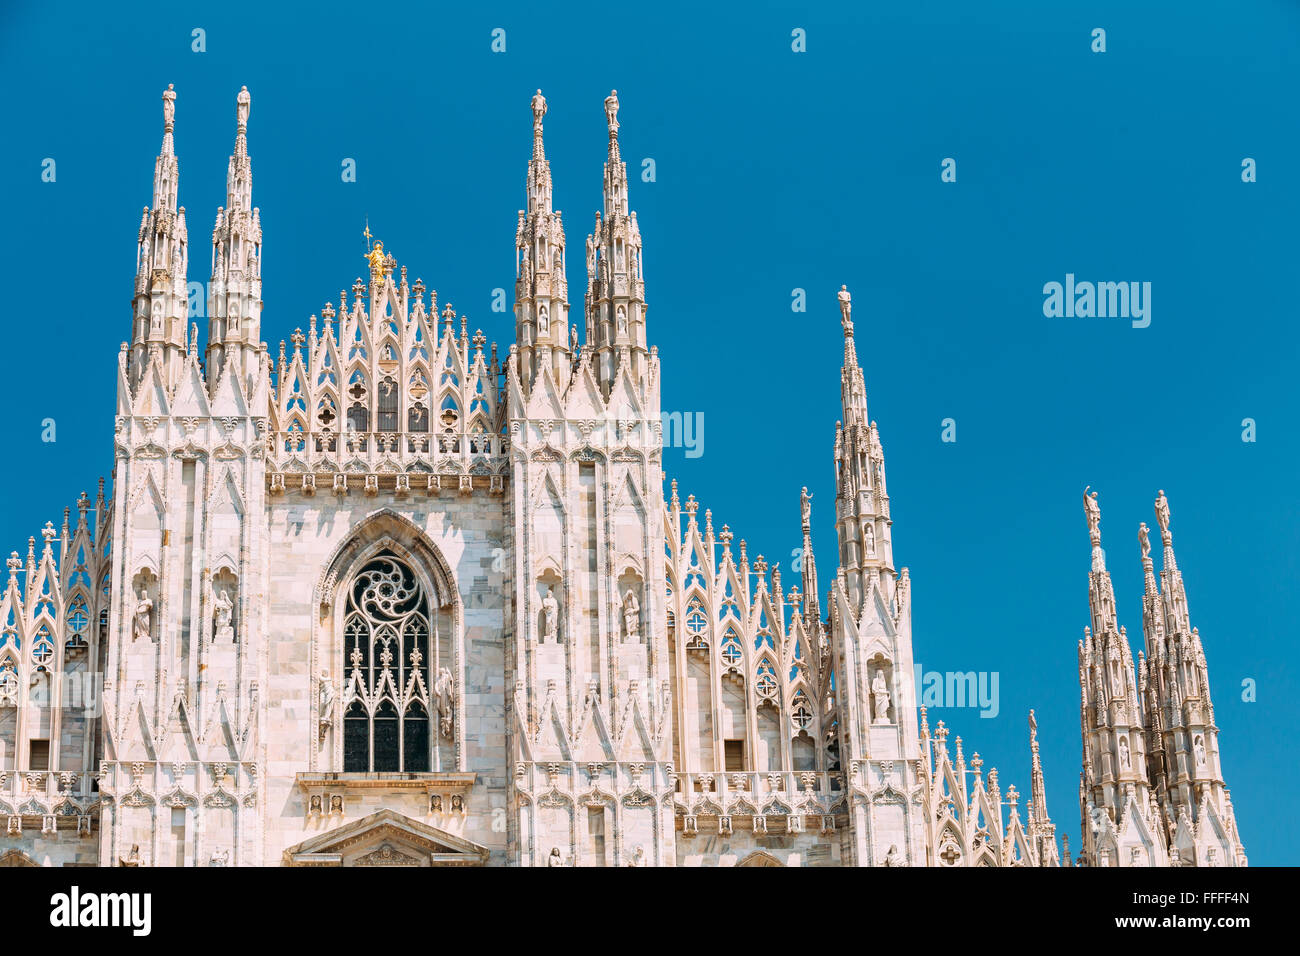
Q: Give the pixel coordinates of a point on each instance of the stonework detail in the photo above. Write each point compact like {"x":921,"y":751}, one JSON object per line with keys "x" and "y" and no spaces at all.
{"x":386,"y":597}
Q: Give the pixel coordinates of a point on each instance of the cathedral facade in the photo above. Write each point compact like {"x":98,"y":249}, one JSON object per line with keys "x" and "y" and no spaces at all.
{"x":389,"y":597}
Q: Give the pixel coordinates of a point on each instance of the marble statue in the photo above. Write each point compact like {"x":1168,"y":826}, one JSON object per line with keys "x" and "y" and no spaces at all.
{"x":880,"y":697}
{"x":611,"y":111}
{"x":444,"y":691}
{"x":550,"y":618}
{"x":144,"y":615}
{"x":539,"y":111}
{"x":222,"y":631}
{"x":631,"y":617}
{"x":325,"y":700}
{"x":1093,"y":512}
{"x":1162,"y":515}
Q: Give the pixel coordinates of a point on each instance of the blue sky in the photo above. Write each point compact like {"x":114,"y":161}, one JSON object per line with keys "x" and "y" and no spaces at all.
{"x":775,"y":170}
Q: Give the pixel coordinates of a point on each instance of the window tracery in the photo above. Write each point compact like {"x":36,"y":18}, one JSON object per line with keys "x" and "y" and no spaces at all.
{"x":387,"y":645}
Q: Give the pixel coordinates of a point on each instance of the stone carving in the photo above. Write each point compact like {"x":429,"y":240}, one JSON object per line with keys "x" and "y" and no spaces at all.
{"x":8,"y":687}
{"x":846,"y":307}
{"x":1200,"y":750}
{"x":220,"y":857}
{"x":631,"y":617}
{"x":386,"y":855}
{"x":539,"y":111}
{"x":550,"y":618}
{"x":1144,"y":541}
{"x":556,"y":858}
{"x":242,"y":104}
{"x":638,"y":857}
{"x":894,"y":857}
{"x":1125,"y":759}
{"x":143,"y":625}
{"x":445,"y":692}
{"x":222,"y":631}
{"x":1162,"y":516}
{"x":611,"y":111}
{"x":1092,"y":511}
{"x":880,"y":697}
{"x":325,"y":701}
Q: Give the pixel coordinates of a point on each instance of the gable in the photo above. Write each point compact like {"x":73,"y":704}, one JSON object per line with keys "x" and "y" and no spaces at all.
{"x":386,"y":838}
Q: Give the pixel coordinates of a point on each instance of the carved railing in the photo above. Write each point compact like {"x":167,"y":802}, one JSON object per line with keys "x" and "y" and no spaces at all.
{"x":445,"y":452}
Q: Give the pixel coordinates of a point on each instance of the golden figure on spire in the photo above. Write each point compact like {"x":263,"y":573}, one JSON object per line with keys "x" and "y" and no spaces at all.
{"x":378,"y":261}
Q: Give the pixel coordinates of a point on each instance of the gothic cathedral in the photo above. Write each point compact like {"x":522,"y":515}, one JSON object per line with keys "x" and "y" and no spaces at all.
{"x":387,"y":597}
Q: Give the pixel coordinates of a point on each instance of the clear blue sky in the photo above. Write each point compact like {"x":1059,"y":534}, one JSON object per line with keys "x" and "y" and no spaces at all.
{"x":775,"y":171}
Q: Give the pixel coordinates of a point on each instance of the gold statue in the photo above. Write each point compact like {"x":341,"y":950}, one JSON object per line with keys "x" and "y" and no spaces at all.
{"x":378,"y":267}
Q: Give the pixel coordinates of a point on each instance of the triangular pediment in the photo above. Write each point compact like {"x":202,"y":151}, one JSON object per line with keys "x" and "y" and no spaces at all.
{"x":386,"y":838}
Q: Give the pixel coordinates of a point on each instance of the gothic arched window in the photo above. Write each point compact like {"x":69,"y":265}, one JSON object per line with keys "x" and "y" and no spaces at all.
{"x":387,"y":405}
{"x":386,"y":646}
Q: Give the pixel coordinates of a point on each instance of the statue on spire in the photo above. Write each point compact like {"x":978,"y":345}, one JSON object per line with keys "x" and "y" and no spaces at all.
{"x":378,"y":261}
{"x":805,"y":507}
{"x":242,"y":103}
{"x":1093,"y":512}
{"x":846,"y":309}
{"x":169,"y":107}
{"x":1144,"y":540}
{"x":611,"y":112}
{"x":539,"y":110}
{"x":1162,"y":517}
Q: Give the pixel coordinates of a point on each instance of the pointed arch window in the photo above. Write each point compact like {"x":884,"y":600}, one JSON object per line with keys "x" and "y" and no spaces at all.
{"x":386,"y":641}
{"x":388,"y":402}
